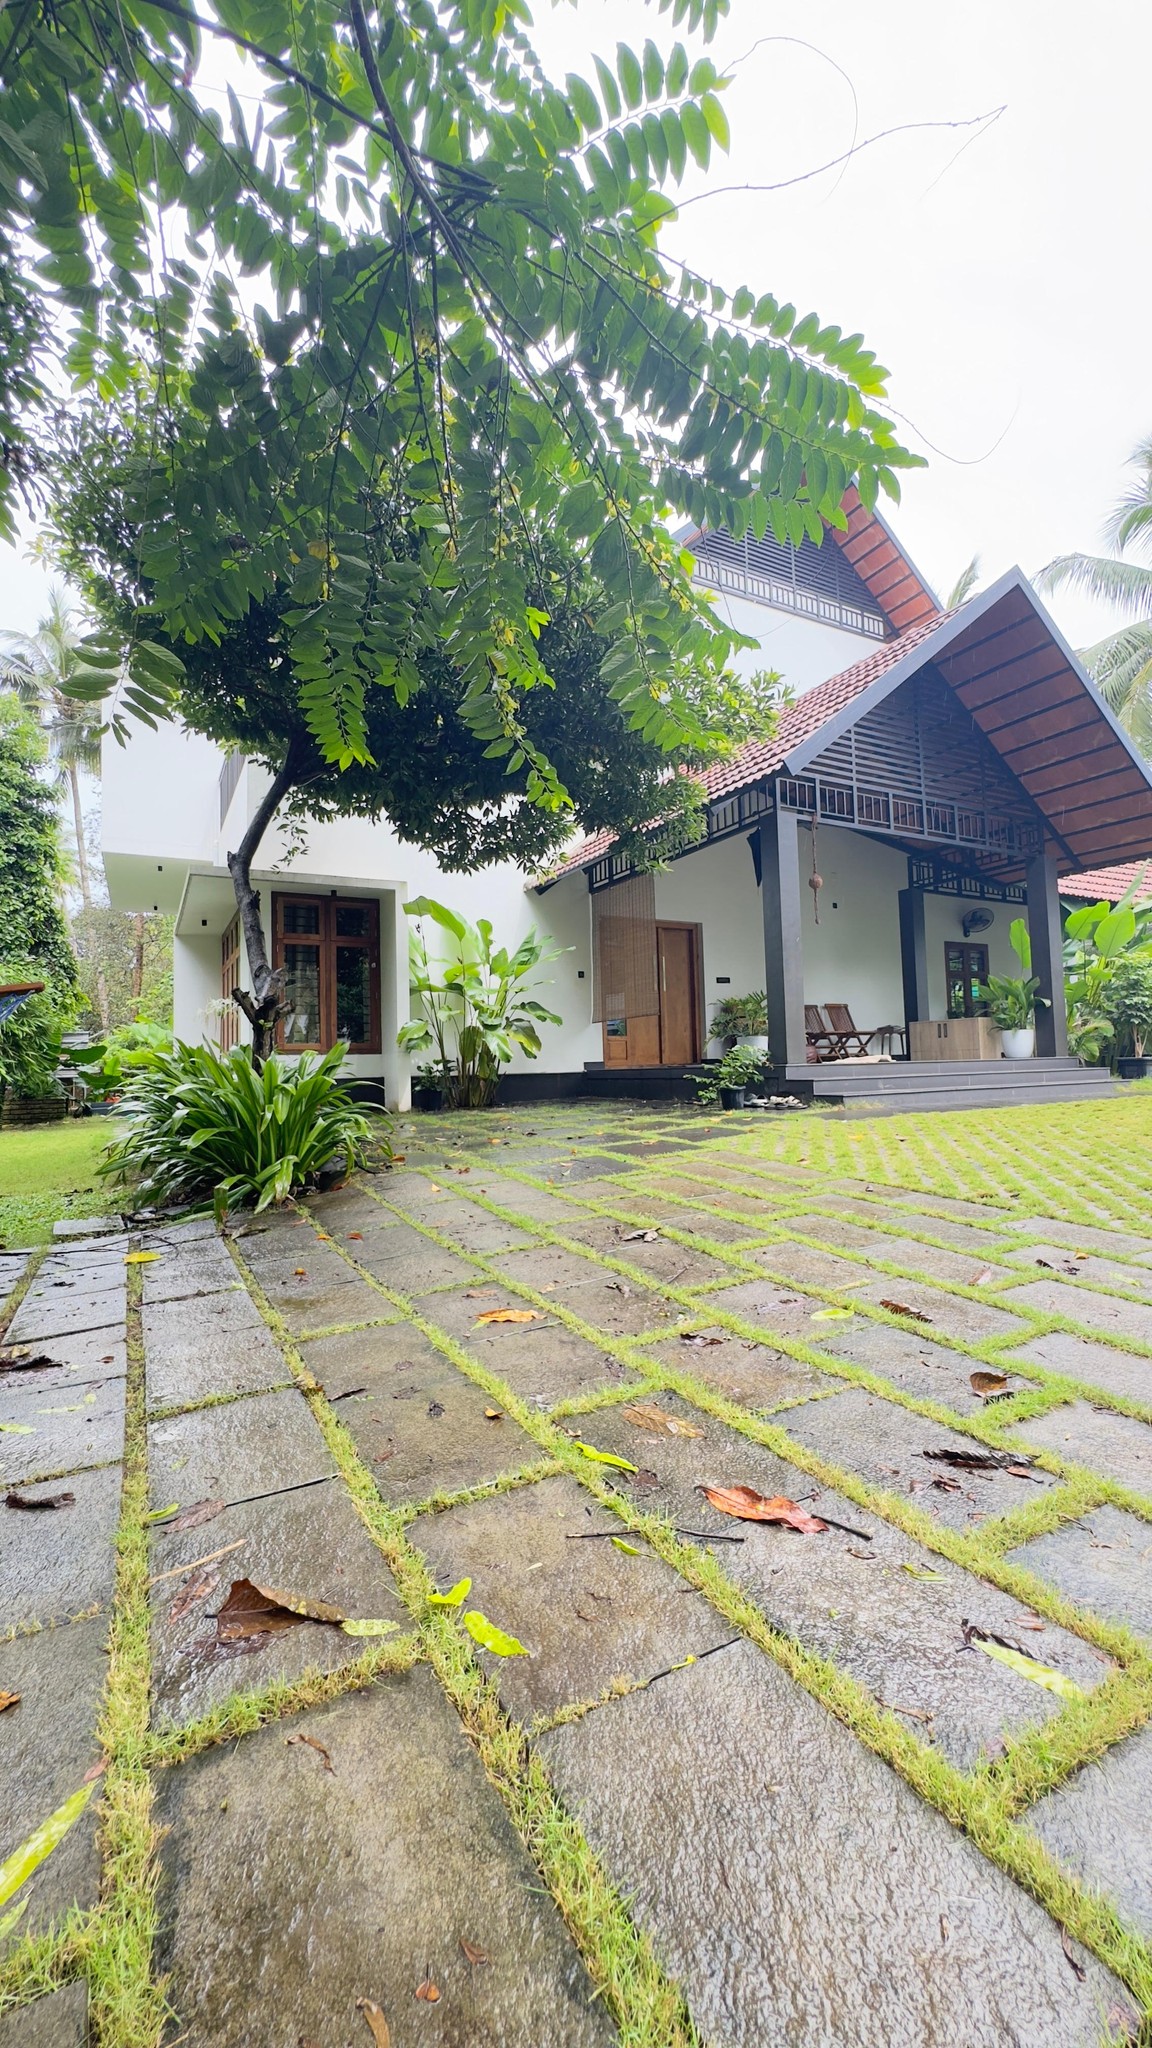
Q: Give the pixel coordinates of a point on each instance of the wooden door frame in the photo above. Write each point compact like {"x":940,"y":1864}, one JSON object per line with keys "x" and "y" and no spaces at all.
{"x":696,"y":941}
{"x":965,"y":946}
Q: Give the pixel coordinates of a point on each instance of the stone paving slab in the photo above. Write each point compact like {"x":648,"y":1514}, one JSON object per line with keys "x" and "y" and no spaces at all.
{"x":47,"y":1743}
{"x":62,"y":1562}
{"x":203,"y":1268}
{"x":12,"y":1265}
{"x":798,"y":1889}
{"x":1116,"y":1446}
{"x":885,"y":1444}
{"x":959,"y":1267}
{"x":290,"y":1891}
{"x":663,"y":1259}
{"x":54,"y":1275}
{"x":317,"y":1295}
{"x":535,"y":1203}
{"x":411,"y":1263}
{"x":658,"y":1210}
{"x":1057,"y":1230}
{"x":58,"y":2021}
{"x":1118,"y":1372}
{"x":421,"y":1426}
{"x":213,"y":1353}
{"x":761,"y":1207}
{"x":1101,"y":1272}
{"x":753,"y":1374}
{"x":310,"y":1542}
{"x":587,"y":1288}
{"x":919,"y":1366}
{"x":1093,"y":1826}
{"x":776,"y":1308}
{"x":542,"y":1362}
{"x":886,"y":1214}
{"x":39,"y":1434}
{"x":86,"y":1227}
{"x":1103,"y":1562}
{"x":468,"y":1226}
{"x":586,"y":1612}
{"x":854,"y":1599}
{"x":952,"y":1314}
{"x":236,"y":1450}
{"x":93,"y":1355}
{"x":1104,"y":1312}
{"x":59,"y":1312}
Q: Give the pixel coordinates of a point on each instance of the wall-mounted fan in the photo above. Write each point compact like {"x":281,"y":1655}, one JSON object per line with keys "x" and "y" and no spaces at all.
{"x":976,"y":921}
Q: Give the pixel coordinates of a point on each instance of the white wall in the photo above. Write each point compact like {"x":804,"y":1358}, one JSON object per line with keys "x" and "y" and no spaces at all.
{"x":804,"y":651}
{"x":195,"y":987}
{"x":160,"y":794}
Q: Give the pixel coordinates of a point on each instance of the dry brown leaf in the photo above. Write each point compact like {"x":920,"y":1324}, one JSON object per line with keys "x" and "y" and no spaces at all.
{"x":252,"y":1610}
{"x":355,"y":1237}
{"x":510,"y":1315}
{"x":639,"y":1236}
{"x":8,"y":1699}
{"x":749,"y":1506}
{"x":493,"y":1415}
{"x":981,"y":1279}
{"x":1078,"y":1969}
{"x":473,"y":1956}
{"x":428,"y":1991}
{"x":901,"y":1308}
{"x":378,"y":2025}
{"x":45,"y":1500}
{"x":691,"y":1337}
{"x":197,"y":1589}
{"x":646,"y":1415}
{"x":300,"y":1272}
{"x":310,"y":1742}
{"x":985,"y":1383}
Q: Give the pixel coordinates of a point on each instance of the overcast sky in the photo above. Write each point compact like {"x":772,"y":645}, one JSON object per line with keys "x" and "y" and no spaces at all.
{"x":1002,"y":274}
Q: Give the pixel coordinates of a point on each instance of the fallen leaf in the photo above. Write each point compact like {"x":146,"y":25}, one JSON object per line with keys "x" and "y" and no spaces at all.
{"x":17,"y":1429}
{"x":473,"y":1956}
{"x":629,"y":1549}
{"x":454,"y":1597}
{"x":196,"y":1589}
{"x":355,"y":1237}
{"x":161,"y":1514}
{"x":252,"y":1610}
{"x":900,"y":1308}
{"x":981,"y":1279}
{"x":24,"y":1361}
{"x":428,"y":1990}
{"x":45,"y":1500}
{"x":691,"y":1337}
{"x":477,"y":1293}
{"x":1047,"y":1265}
{"x":1007,"y":1653}
{"x":377,"y":2024}
{"x":646,"y":1415}
{"x":490,"y":1637}
{"x":985,"y":1383}
{"x":300,"y":1272}
{"x":311,"y":1743}
{"x":435,"y":1410}
{"x":9,"y":1699}
{"x":920,"y":1571}
{"x":749,"y":1506}
{"x":493,"y":1415}
{"x":353,"y":1627}
{"x":1078,"y":1969}
{"x":509,"y":1315}
{"x":639,"y":1237}
{"x":349,"y":1394}
{"x":603,"y":1457}
{"x":830,"y":1315}
{"x":140,"y":1258}
{"x":980,"y":1461}
{"x":945,"y":1485}
{"x":25,"y":1860}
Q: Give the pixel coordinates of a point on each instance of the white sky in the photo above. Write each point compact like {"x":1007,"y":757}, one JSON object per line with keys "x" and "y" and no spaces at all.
{"x":1007,"y":287}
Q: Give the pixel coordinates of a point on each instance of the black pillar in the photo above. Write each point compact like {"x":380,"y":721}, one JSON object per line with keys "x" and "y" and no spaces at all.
{"x":783,"y":942}
{"x":913,"y":959}
{"x":1046,"y":933}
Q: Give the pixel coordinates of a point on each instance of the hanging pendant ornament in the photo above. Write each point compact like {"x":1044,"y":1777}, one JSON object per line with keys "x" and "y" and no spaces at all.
{"x":815,"y":879}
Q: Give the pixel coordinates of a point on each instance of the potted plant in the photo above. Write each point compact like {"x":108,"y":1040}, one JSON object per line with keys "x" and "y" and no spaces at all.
{"x":1129,"y":1004}
{"x":474,"y":1003}
{"x":1011,"y":999}
{"x":743,"y":1020}
{"x":428,"y":1086}
{"x":729,"y":1079}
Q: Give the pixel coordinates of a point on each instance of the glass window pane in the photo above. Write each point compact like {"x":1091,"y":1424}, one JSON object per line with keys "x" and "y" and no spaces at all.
{"x":300,"y":917}
{"x":353,"y":920}
{"x":353,"y":994}
{"x":302,"y":995}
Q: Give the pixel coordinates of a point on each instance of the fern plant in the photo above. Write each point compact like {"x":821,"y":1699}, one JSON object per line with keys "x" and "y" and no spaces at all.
{"x":204,"y":1124}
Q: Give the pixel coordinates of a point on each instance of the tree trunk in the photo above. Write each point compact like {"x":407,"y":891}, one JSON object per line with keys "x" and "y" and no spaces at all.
{"x":78,"y":827}
{"x":262,"y":1007}
{"x":138,"y":957}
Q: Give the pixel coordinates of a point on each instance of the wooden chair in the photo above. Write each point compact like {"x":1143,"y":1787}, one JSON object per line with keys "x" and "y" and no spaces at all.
{"x":850,"y":1039}
{"x":821,"y":1038}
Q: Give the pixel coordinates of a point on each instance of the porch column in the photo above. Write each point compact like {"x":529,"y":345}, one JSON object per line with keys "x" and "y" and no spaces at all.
{"x":783,"y":942}
{"x":913,"y":958}
{"x":1046,"y":934}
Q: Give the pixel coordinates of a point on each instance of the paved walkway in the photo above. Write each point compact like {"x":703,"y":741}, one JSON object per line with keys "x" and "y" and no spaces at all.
{"x":880,"y":1784}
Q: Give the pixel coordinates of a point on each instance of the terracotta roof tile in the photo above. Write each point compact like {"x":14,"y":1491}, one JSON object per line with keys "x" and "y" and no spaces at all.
{"x":1099,"y":885}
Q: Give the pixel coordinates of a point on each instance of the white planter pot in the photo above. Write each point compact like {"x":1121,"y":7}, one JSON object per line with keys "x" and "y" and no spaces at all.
{"x":1018,"y":1045}
{"x":758,"y":1040}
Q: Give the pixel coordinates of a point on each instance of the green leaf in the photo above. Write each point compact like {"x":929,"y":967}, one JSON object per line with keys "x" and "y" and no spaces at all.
{"x":629,"y":1549}
{"x":717,"y":120}
{"x":490,"y":1637}
{"x":584,"y":103}
{"x":25,"y":1860}
{"x":369,"y":1628}
{"x":1027,"y":1667}
{"x":696,"y":133}
{"x":630,"y":75}
{"x":829,"y":1315}
{"x":455,"y":1597}
{"x":921,"y":1571}
{"x":17,"y":1429}
{"x":605,"y":1457}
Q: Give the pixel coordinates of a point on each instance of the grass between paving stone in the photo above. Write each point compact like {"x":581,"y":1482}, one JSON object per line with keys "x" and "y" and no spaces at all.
{"x":985,"y":1804}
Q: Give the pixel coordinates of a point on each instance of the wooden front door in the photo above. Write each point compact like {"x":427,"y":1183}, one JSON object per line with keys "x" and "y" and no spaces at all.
{"x":966,"y":969}
{"x":676,"y":979}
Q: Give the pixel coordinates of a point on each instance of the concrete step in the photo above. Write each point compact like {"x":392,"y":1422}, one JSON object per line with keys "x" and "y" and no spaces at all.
{"x":975,"y":1098}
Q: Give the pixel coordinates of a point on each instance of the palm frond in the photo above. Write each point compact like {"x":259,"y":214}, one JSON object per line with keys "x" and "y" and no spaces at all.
{"x":964,"y":585}
{"x":1125,"y":584}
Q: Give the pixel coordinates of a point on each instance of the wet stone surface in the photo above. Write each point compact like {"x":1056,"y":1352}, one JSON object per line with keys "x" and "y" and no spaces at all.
{"x":237,"y":1450}
{"x":60,"y":1562}
{"x":775,"y":1308}
{"x":62,"y":1310}
{"x":604,"y":1301}
{"x":662,"y":1258}
{"x":59,"y":2020}
{"x":60,"y":1429}
{"x":752,"y":1374}
{"x":919,"y":1366}
{"x":1098,"y":1271}
{"x":316,"y":1290}
{"x":224,"y":1353}
{"x":885,"y":1444}
{"x":1096,"y":1311}
{"x":420,"y":1425}
{"x":56,"y":1277}
{"x":1116,"y":1446}
{"x":202,"y":1267}
{"x":1088,"y":1826}
{"x":858,"y":1599}
{"x":1101,"y":1365}
{"x":902,"y":1251}
{"x":47,"y":1743}
{"x":411,"y":1263}
{"x":61,"y":1362}
{"x":543,"y":1362}
{"x":1103,"y":1562}
{"x":311,"y":1542}
{"x":292,"y":1891}
{"x":469,"y":1227}
{"x":799,"y":1891}
{"x":586,"y":1612}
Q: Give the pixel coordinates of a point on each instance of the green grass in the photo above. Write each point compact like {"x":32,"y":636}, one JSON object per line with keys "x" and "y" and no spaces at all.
{"x":47,"y":1172}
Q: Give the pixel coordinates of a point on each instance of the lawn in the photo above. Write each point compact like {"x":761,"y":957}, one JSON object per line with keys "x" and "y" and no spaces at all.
{"x":48,"y":1171}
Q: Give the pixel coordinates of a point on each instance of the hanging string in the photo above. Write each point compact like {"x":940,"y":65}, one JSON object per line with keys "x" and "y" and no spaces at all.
{"x":815,"y":879}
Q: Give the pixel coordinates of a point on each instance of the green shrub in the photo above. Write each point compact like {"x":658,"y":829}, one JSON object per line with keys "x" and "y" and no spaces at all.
{"x":205,"y":1125}
{"x":108,"y":1066}
{"x":30,"y":1039}
{"x":475,"y":1004}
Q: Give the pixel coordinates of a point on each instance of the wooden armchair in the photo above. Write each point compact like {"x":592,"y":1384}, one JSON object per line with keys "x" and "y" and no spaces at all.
{"x":821,"y":1038}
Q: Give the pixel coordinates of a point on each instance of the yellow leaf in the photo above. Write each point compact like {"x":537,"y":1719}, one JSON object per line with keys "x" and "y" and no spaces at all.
{"x":455,"y":1597}
{"x":17,"y":1428}
{"x":509,"y":1315}
{"x":648,"y":1415}
{"x":141,"y":1258}
{"x":1040,"y":1674}
{"x":920,"y":1571}
{"x":377,"y":2024}
{"x":23,"y":1861}
{"x":490,"y":1637}
{"x":605,"y":1457}
{"x":830,"y":1315}
{"x":369,"y":1628}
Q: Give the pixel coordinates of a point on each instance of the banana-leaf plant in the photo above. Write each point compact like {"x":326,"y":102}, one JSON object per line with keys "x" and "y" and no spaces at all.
{"x":474,"y":1002}
{"x":1011,"y":999}
{"x":1100,"y":939}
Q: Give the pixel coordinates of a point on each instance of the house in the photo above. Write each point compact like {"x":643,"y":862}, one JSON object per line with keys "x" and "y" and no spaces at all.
{"x":937,"y":776}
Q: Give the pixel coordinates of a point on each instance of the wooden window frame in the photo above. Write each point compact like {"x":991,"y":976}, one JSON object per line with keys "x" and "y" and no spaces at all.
{"x":228,"y":1034}
{"x":326,"y":941}
{"x":963,"y":946}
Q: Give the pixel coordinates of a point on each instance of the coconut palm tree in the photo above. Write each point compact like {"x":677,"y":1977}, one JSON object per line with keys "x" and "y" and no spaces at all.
{"x":1121,"y":663}
{"x":964,"y":585}
{"x":37,"y":666}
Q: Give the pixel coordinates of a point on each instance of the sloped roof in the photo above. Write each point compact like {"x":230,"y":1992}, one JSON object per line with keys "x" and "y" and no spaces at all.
{"x":884,"y":565}
{"x":1106,"y":885}
{"x":1024,"y":688}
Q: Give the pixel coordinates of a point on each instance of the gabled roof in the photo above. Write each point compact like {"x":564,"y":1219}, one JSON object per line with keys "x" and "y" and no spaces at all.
{"x":1024,"y":688}
{"x":884,"y":565}
{"x":1107,"y":885}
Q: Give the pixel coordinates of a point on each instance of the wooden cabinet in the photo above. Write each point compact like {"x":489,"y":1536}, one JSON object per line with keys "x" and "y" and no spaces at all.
{"x":953,"y":1038}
